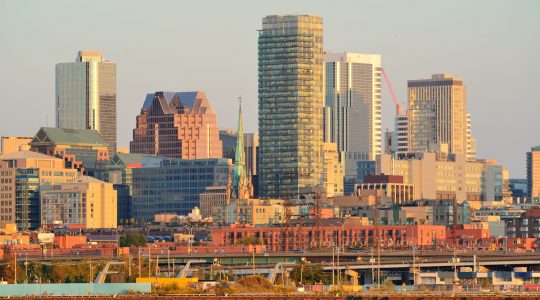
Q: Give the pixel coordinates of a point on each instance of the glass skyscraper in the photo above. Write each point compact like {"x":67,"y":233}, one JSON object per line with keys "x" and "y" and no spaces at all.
{"x":290,"y":104}
{"x":86,"y":95}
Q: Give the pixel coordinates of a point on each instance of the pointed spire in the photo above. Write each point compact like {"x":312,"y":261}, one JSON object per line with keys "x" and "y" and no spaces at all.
{"x":240,"y":181}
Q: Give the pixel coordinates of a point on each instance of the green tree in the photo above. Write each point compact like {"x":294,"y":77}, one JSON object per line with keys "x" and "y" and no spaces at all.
{"x":307,"y":273}
{"x":133,"y":239}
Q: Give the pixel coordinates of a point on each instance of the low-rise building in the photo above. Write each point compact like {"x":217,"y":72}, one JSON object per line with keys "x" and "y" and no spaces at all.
{"x":12,"y":144}
{"x":254,"y":212}
{"x":344,"y":233}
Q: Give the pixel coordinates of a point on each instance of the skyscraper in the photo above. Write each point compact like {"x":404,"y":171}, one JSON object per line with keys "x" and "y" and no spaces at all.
{"x":290,"y":104}
{"x":438,"y":114}
{"x":86,"y":95}
{"x":533,"y":172}
{"x":353,"y":106}
{"x":180,"y":125}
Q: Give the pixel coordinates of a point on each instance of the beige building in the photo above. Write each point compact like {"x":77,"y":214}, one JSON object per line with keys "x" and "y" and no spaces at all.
{"x":26,"y":172}
{"x":333,"y":170}
{"x":442,"y":176}
{"x":533,"y":172}
{"x":12,"y":144}
{"x":255,"y":212}
{"x":438,"y":115}
{"x":86,"y":201}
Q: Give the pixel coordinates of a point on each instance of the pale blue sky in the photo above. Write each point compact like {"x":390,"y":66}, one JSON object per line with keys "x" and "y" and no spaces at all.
{"x":212,"y":46}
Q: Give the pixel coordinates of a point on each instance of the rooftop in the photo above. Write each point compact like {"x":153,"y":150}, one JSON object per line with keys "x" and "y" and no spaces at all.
{"x":63,"y":136}
{"x":25,"y":155}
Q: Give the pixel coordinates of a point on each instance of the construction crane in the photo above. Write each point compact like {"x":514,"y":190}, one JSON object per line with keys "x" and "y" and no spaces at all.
{"x":399,"y":107}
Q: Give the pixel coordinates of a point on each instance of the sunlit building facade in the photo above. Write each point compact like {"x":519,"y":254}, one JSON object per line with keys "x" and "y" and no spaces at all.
{"x":177,"y":124}
{"x":290,"y":104}
{"x":438,"y":114}
{"x":352,"y":111}
{"x":86,"y":95}
{"x":533,"y":172}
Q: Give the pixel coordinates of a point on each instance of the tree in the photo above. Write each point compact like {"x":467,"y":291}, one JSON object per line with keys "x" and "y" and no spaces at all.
{"x":133,"y":239}
{"x":307,"y":273}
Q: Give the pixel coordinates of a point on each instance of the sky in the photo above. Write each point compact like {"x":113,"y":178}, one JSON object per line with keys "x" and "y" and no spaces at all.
{"x":492,"y":45}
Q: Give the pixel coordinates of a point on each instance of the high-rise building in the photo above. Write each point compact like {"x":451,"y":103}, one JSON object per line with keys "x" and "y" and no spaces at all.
{"x":179,"y":125}
{"x":290,"y":104}
{"x":438,"y":114}
{"x":353,"y":106}
{"x":471,"y":141}
{"x":86,"y":95}
{"x":400,"y":138}
{"x":533,"y":172}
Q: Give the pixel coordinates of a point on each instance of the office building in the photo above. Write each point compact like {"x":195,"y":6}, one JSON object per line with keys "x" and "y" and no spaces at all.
{"x":12,"y":144}
{"x":81,"y":149}
{"x":333,"y":170}
{"x":290,"y":104}
{"x":443,"y":176}
{"x":86,"y":201}
{"x":400,"y":137}
{"x":471,"y":141}
{"x":175,"y":186}
{"x":384,"y":190}
{"x":178,"y":125}
{"x":438,"y":115}
{"x":24,"y":175}
{"x":352,"y":111}
{"x":86,"y":95}
{"x":212,"y":197}
{"x":533,"y":172}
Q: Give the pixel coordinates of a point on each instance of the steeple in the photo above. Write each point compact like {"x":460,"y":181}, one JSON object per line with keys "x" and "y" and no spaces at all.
{"x":241,"y":185}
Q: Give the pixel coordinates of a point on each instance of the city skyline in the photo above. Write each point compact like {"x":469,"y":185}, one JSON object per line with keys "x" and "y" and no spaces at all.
{"x":492,"y":81}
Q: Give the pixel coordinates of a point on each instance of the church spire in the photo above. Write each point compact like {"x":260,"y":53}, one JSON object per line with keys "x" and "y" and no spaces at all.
{"x":240,"y":181}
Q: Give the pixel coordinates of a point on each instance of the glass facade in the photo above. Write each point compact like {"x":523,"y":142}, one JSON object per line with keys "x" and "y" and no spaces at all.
{"x":175,"y":186}
{"x":437,"y":114}
{"x":290,"y":104}
{"x":86,"y":96}
{"x":27,"y":203}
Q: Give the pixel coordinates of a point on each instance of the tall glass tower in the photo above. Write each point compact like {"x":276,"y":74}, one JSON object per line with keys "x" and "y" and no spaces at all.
{"x":290,"y":104}
{"x":86,"y":95}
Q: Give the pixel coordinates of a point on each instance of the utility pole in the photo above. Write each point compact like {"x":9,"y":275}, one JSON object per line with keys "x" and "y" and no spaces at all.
{"x":129,"y":264}
{"x":169,"y":262}
{"x":414,"y":266}
{"x":333,"y":264}
{"x":149,"y":263}
{"x":140,"y":275}
{"x":15,"y":280}
{"x":372,"y":260}
{"x":253,"y":260}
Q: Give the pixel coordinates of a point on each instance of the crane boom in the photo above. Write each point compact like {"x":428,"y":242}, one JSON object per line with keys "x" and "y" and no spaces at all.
{"x":394,"y":98}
